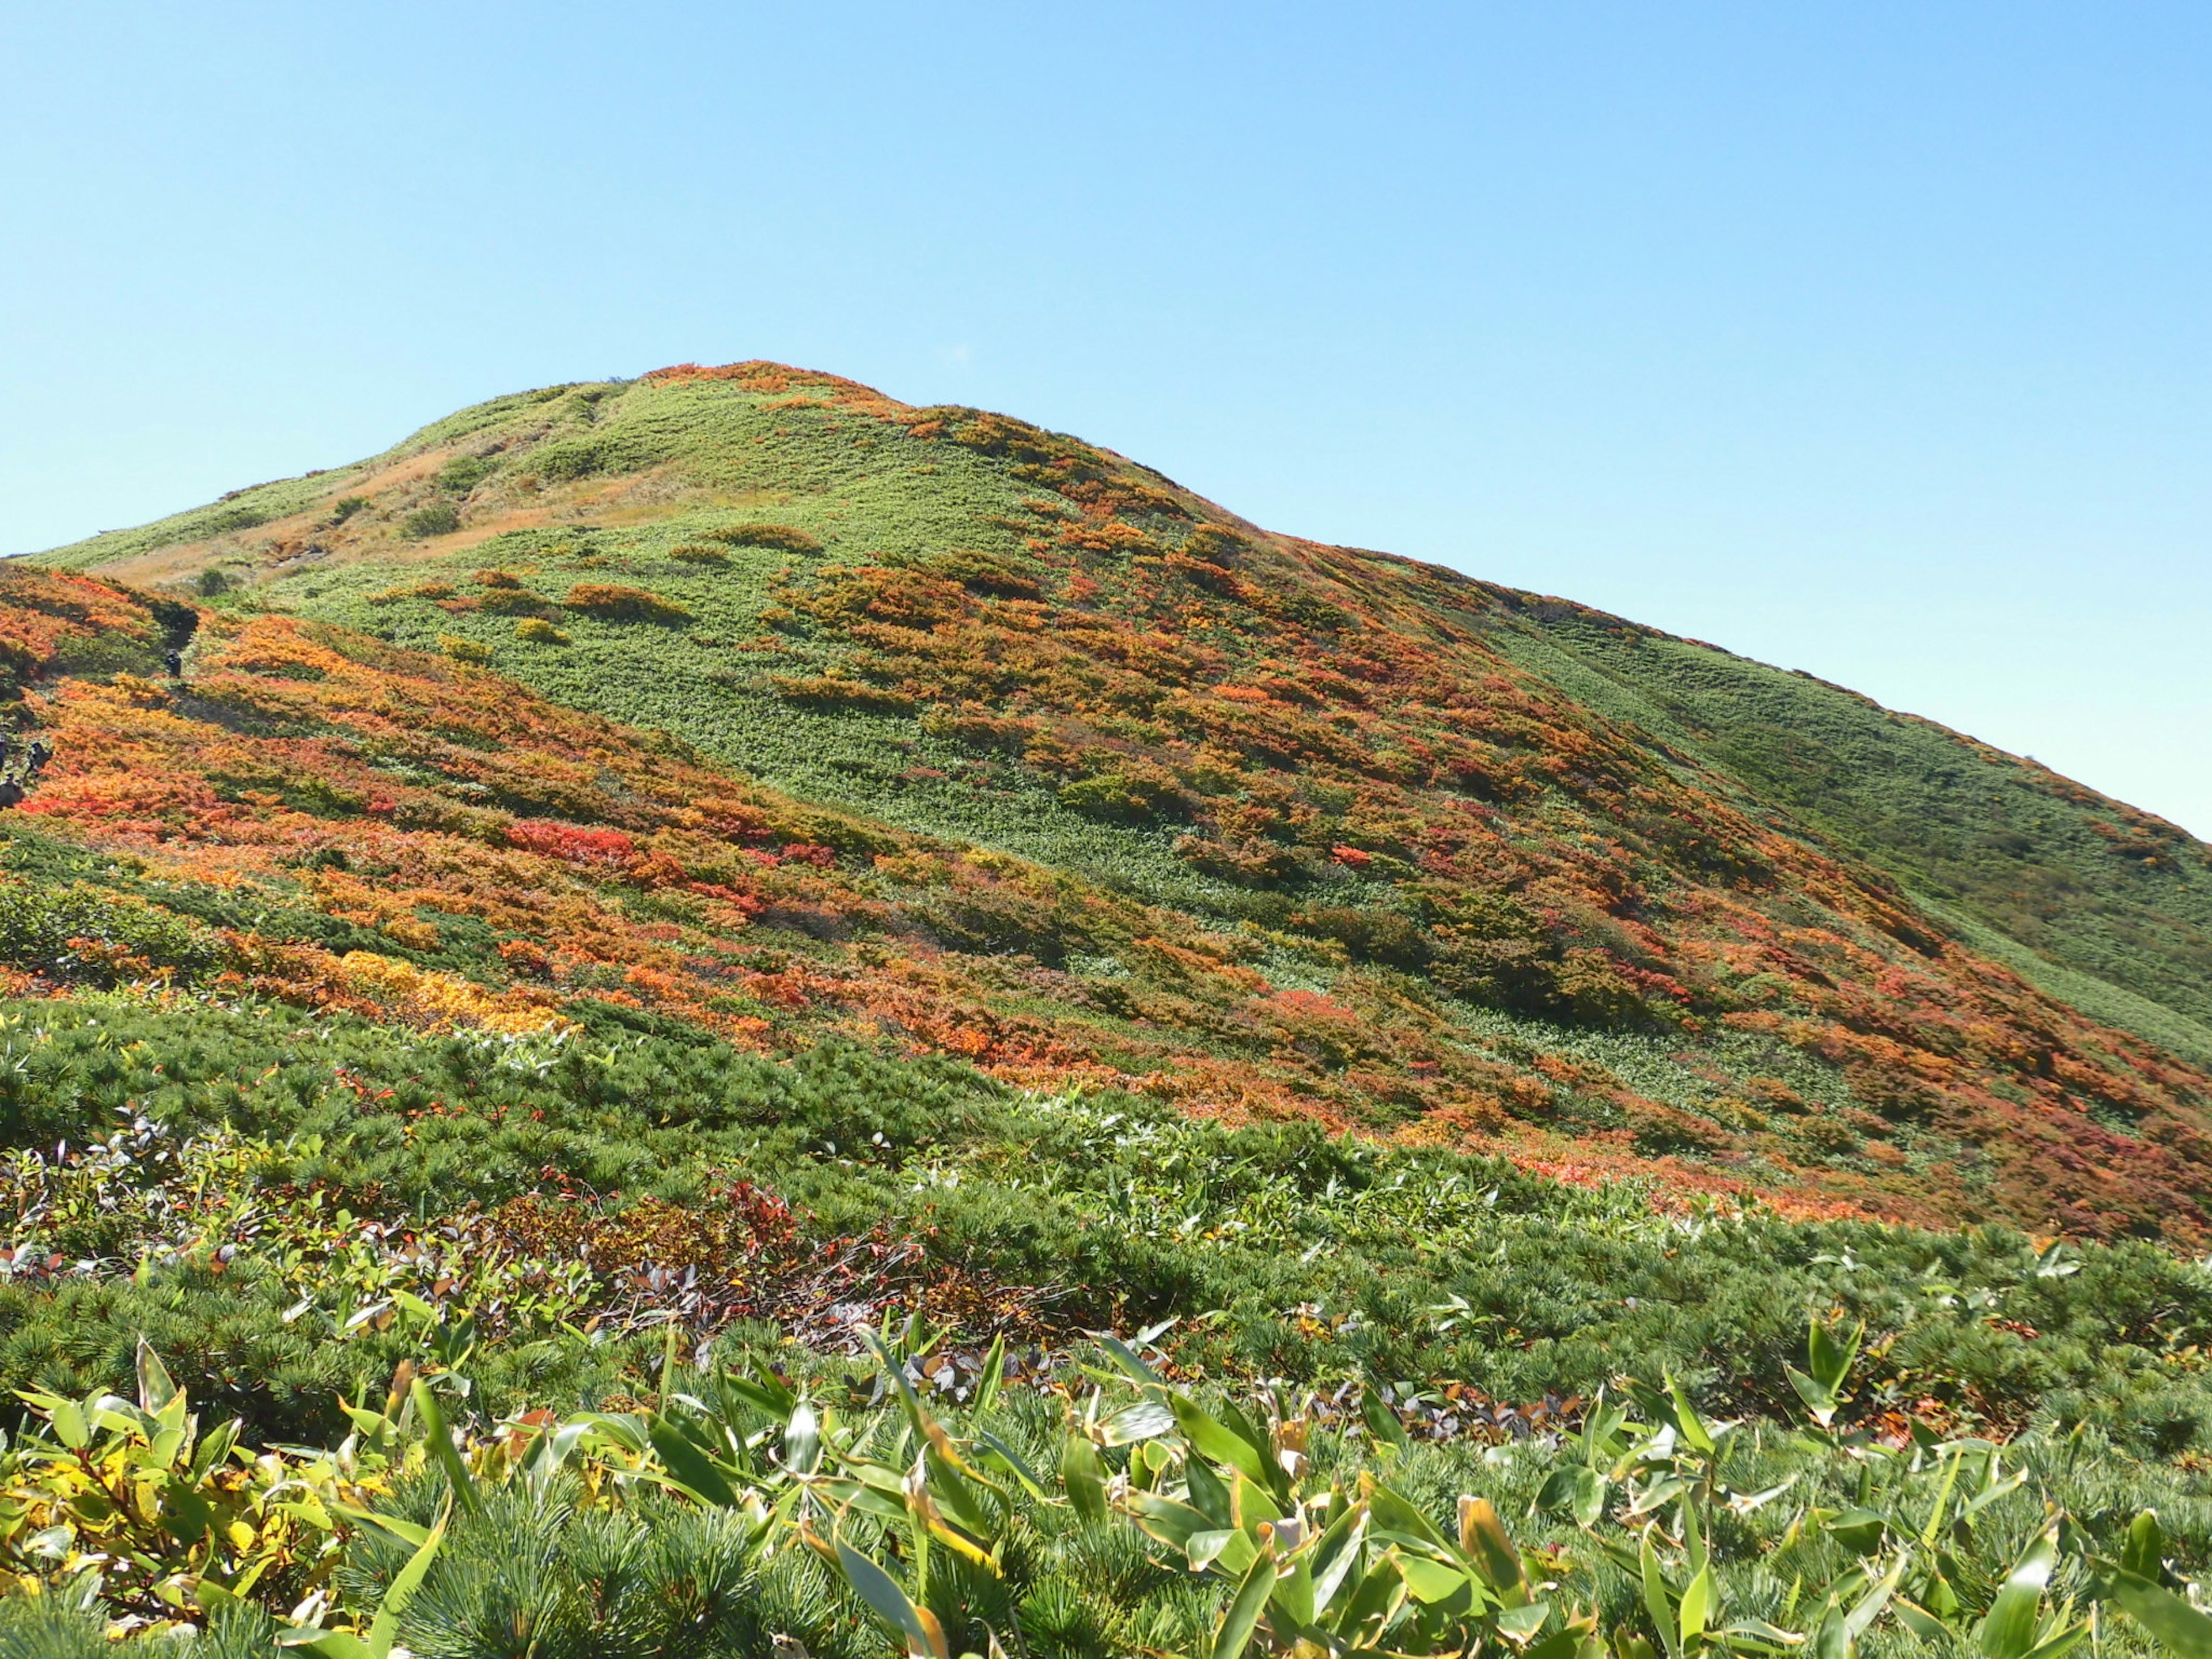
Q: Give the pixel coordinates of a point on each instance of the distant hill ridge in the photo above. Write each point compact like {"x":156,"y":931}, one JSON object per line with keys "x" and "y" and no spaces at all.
{"x":778,"y":707}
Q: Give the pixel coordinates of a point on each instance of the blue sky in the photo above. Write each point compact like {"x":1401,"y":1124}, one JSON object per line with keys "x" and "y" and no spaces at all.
{"x":1869,"y":339}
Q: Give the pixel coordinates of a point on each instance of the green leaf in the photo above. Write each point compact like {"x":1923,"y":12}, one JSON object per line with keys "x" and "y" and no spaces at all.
{"x":214,"y":1449}
{"x":66,"y":1417}
{"x":889,"y":1602}
{"x":1430,"y":1580}
{"x":2009,"y":1630}
{"x":1173,"y":1523}
{"x":802,"y":1439}
{"x":407,"y":1532}
{"x":1010,"y":1460}
{"x":184,"y":1513}
{"x":1697,"y":1606}
{"x":1997,"y":1488}
{"x":1084,"y":1476}
{"x":1921,"y":1622}
{"x":1934,"y":1529}
{"x":325,"y":1644}
{"x":1563,"y":1644}
{"x":1519,"y":1624}
{"x":1829,"y":1358}
{"x":895,"y":1369}
{"x":1146,"y":1419}
{"x":994,"y":1374}
{"x":1819,"y":1401}
{"x":1231,"y":1549}
{"x":2143,"y":1553}
{"x":1392,"y":1511}
{"x":1383,"y":1423}
{"x":1210,"y":1438}
{"x":2064,"y":1642}
{"x":1859,"y":1531}
{"x":1338,"y":1554}
{"x":1868,"y":1606}
{"x":667,"y":1364}
{"x":692,"y":1469}
{"x":765,"y":1393}
{"x":954,"y":1493}
{"x":440,"y":1440}
{"x":1133,"y":1367}
{"x":1250,"y":1502}
{"x":2180,"y":1628}
{"x":384,"y":1629}
{"x":1577,"y":1491}
{"x":1207,"y":1495}
{"x":155,"y":1388}
{"x":1293,"y":1596}
{"x":1658,"y":1603}
{"x":1374,"y":1597}
{"x":1694,"y":1431}
{"x":1243,"y":1618}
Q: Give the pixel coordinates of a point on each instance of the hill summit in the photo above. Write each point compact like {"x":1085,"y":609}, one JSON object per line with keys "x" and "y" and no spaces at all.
{"x":750,"y":699}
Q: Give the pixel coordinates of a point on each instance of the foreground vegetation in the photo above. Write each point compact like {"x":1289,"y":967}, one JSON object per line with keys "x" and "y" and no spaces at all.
{"x":742,"y":1511}
{"x":387,"y":1270}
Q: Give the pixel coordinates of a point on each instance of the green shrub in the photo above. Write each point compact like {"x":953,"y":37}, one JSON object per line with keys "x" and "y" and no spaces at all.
{"x":463,"y":473}
{"x":346,"y":506}
{"x":787,"y":537}
{"x":1136,"y":793}
{"x":537,"y":631}
{"x":658,"y":1577}
{"x":91,"y":934}
{"x":438,"y":519}
{"x":1324,"y":1258}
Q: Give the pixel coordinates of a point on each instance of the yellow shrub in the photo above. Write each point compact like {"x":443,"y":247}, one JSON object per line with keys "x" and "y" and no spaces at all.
{"x":440,"y":997}
{"x":461,"y":650}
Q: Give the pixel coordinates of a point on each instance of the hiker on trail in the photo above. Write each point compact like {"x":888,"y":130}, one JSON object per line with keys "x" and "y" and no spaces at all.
{"x":41,"y":752}
{"x":7,"y":745}
{"x":176,"y":660}
{"x":11,"y":793}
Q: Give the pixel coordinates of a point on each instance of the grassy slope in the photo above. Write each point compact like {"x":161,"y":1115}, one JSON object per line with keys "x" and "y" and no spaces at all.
{"x":2087,"y":883}
{"x":355,"y":799}
{"x":2105,"y":907}
{"x":604,"y":483}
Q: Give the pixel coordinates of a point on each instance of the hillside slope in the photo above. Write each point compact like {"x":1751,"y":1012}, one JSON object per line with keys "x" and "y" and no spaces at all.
{"x":936,"y":730}
{"x":2074,"y":879}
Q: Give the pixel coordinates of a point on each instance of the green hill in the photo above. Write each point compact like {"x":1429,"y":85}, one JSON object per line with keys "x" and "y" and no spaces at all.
{"x":1759,"y":920}
{"x":643,"y":883}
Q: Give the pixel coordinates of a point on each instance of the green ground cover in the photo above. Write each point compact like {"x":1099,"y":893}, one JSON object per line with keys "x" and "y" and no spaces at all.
{"x":245,"y":1203}
{"x":2079,"y":881}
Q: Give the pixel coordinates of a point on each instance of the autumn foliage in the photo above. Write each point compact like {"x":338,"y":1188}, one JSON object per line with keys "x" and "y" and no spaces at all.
{"x":492,"y":856}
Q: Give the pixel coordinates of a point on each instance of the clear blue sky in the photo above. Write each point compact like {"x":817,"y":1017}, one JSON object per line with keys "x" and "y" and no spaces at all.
{"x":1872,"y":339}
